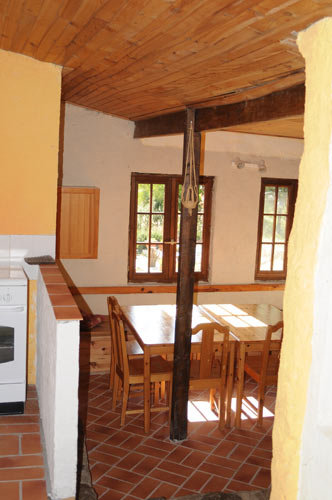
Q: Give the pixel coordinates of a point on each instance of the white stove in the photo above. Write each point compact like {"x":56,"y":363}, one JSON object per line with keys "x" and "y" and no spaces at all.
{"x":13,"y":339}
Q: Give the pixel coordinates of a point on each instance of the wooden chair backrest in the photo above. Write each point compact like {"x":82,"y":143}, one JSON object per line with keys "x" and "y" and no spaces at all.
{"x":120,"y":348}
{"x":112,"y":305}
{"x":267,"y":344}
{"x":208,"y":347}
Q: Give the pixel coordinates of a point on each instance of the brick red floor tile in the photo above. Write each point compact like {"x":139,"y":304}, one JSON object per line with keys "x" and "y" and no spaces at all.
{"x":215,"y":484}
{"x":130,"y":461}
{"x":197,"y":480}
{"x":238,"y":486}
{"x":225,"y":448}
{"x":21,"y":473}
{"x":223,"y":462}
{"x":145,"y":465}
{"x":165,"y":446}
{"x":103,"y":457}
{"x":241,"y":452}
{"x":98,"y":470}
{"x":30,"y":443}
{"x":100,"y":490}
{"x":197,"y":445}
{"x":176,"y":468}
{"x":195,"y":459}
{"x":18,"y":428}
{"x":216,"y":470}
{"x":125,"y":475}
{"x":262,"y":453}
{"x":245,"y":473}
{"x":21,"y":461}
{"x":145,"y":488}
{"x":179,"y":454}
{"x":164,"y":490}
{"x":33,"y":490}
{"x":115,"y":484}
{"x":259,"y":461}
{"x":9,"y":445}
{"x":116,"y":451}
{"x":154,"y":452}
{"x":91,"y":444}
{"x":266,"y":443}
{"x":184,"y":492}
{"x":19,"y":419}
{"x":172,"y":478}
{"x":262,"y":479}
{"x":112,"y":495}
{"x":10,"y":490}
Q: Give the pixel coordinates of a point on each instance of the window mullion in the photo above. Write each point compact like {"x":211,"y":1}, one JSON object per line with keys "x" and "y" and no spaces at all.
{"x":274,"y":226}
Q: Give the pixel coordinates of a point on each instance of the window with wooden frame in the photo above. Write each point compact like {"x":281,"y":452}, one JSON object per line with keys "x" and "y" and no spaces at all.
{"x":154,"y":232}
{"x":276,"y":211}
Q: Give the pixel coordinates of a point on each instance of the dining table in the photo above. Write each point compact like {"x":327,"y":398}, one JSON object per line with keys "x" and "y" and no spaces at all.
{"x":154,"y":329}
{"x":248,"y":325}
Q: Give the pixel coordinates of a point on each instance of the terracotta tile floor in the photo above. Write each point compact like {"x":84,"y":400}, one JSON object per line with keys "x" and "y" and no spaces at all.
{"x":128,"y":464}
{"x":22,"y":472}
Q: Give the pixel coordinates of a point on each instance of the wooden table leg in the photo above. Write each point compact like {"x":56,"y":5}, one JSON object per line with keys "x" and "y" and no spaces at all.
{"x":147,"y":389}
{"x":230,"y":383}
{"x":240,"y":381}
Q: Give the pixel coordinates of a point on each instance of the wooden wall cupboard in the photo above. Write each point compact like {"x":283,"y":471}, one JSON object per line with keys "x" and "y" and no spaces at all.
{"x":78,"y":223}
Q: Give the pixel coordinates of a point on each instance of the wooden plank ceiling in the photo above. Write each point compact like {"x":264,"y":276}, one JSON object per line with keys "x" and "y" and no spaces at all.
{"x":138,"y":59}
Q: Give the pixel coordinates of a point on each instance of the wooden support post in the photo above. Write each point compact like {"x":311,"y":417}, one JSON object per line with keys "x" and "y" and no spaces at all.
{"x":184,"y":300}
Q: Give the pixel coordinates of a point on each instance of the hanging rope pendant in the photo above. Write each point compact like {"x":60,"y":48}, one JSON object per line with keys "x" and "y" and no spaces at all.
{"x":189,"y":197}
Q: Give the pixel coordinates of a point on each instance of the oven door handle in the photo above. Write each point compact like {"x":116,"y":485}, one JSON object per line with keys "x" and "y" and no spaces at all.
{"x":12,"y":309}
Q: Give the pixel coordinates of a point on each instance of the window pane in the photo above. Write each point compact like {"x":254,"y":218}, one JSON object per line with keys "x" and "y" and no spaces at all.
{"x":198,"y":258}
{"x":199,"y":234}
{"x":278,"y":258}
{"x":179,"y":197}
{"x":266,"y":256}
{"x":157,"y":228}
{"x":201,"y":191}
{"x":280,"y":235}
{"x":141,"y":264}
{"x":178,"y":228}
{"x":269,"y":199}
{"x":156,"y":258}
{"x":268,"y":228}
{"x":142,"y":233}
{"x":158,"y":197}
{"x":282,"y":203}
{"x":143,"y":198}
{"x":177,"y":258}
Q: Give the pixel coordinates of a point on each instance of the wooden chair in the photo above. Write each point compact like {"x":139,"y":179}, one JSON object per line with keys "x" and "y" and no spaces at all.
{"x":129,"y":371}
{"x":133,"y":347}
{"x":209,"y":371}
{"x":263,"y":367}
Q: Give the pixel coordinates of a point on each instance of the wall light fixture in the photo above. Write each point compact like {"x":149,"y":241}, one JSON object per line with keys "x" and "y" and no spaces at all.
{"x":260,"y":164}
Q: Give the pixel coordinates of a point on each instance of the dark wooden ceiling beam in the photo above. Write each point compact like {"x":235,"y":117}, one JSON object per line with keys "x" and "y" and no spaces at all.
{"x":280,"y":104}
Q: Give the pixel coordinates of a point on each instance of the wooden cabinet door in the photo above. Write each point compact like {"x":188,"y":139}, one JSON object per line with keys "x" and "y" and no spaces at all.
{"x":78,"y":221}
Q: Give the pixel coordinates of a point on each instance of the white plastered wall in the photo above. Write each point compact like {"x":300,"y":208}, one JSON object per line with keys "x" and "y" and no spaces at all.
{"x":57,"y":387}
{"x":99,"y":150}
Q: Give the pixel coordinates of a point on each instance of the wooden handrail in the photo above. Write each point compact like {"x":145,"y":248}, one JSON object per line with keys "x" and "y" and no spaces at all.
{"x":138,"y":289}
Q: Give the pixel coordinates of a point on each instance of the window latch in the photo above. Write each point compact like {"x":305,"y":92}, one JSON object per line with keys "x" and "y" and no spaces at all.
{"x":172,"y":242}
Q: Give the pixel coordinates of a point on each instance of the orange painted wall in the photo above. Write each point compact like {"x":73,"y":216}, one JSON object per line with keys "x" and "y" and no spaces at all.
{"x":29,"y":142}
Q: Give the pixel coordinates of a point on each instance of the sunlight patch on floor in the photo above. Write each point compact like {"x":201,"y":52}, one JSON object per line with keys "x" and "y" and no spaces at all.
{"x":248,"y":411}
{"x":199,"y":411}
